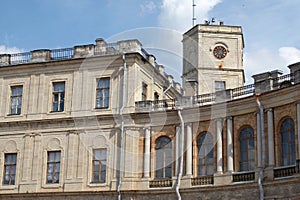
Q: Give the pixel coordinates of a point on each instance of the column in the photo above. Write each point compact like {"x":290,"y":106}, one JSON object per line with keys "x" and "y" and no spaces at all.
{"x":71,"y":153}
{"x":27,"y":158}
{"x":189,"y":149}
{"x":37,"y":157}
{"x":219,"y":146}
{"x":177,"y":151}
{"x":147,"y":134}
{"x":270,"y":137}
{"x":298,"y":127}
{"x":258,"y":137}
{"x":229,"y":145}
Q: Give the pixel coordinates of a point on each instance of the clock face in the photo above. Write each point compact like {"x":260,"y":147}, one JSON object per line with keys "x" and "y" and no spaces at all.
{"x":220,"y":52}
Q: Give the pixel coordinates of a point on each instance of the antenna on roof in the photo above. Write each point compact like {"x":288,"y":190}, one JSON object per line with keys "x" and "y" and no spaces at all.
{"x":194,"y":18}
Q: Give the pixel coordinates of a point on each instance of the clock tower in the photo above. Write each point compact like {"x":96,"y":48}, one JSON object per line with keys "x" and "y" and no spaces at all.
{"x":212,"y":58}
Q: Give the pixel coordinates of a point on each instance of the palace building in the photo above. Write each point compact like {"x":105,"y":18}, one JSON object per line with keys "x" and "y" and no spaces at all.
{"x":105,"y":121}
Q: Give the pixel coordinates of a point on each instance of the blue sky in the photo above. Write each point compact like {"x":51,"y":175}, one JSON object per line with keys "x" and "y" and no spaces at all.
{"x":270,"y":27}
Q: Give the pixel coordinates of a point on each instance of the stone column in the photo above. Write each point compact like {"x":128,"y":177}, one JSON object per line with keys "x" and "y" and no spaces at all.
{"x":258,"y":137}
{"x":147,"y":133}
{"x":27,"y":158}
{"x":298,"y":127}
{"x":229,"y":145}
{"x":271,"y":137}
{"x":37,"y":157}
{"x":189,"y":149}
{"x":71,"y":154}
{"x":177,"y":151}
{"x":219,"y":146}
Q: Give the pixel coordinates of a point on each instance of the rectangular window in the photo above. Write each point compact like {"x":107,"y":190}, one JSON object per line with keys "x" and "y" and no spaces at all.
{"x":99,"y":165}
{"x":102,"y":93}
{"x":144,"y":91}
{"x":10,"y":166}
{"x":16,"y":100}
{"x":58,"y":97}
{"x":53,"y":167}
{"x":220,"y":85}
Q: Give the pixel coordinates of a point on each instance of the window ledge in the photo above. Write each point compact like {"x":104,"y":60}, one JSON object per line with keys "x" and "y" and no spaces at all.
{"x":51,"y":186}
{"x":57,"y":113}
{"x":14,"y":115}
{"x":97,"y":184}
{"x":8,"y":187}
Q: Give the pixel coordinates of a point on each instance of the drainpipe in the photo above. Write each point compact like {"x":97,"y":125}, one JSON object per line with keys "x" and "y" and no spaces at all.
{"x":181,"y":155}
{"x":164,"y":92}
{"x":263,"y":149}
{"x":122,"y":127}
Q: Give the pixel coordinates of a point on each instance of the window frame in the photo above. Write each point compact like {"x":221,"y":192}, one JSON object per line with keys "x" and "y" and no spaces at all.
{"x":17,"y":108}
{"x":53,"y":172}
{"x":103,"y":98}
{"x":60,"y":99}
{"x":11,"y":166}
{"x":144,"y":91}
{"x":290,"y":131}
{"x":101,"y":179}
{"x":249,"y":162}
{"x":207,"y":145}
{"x":218,"y":83}
{"x":166,"y":151}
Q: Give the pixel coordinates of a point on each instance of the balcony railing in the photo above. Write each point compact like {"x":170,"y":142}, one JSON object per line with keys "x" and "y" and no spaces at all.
{"x":62,"y":54}
{"x":20,"y":58}
{"x":283,"y":81}
{"x":211,"y":98}
{"x":167,"y":104}
{"x":243,"y":176}
{"x":203,"y":180}
{"x":285,"y":171}
{"x":69,"y":53}
{"x":160,"y":183}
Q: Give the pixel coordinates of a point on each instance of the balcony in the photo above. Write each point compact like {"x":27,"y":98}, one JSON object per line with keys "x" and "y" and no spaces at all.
{"x":243,"y":176}
{"x":160,"y":183}
{"x":285,"y":171}
{"x":274,"y":83}
{"x":203,"y":180}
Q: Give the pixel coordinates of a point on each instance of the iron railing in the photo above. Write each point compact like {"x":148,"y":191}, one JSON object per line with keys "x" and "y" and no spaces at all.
{"x":20,"y":58}
{"x":62,"y":54}
{"x":243,"y":91}
{"x":283,"y":81}
{"x":219,"y":96}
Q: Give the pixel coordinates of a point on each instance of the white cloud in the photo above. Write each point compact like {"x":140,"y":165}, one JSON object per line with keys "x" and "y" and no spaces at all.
{"x":9,"y":50}
{"x":148,"y":7}
{"x":289,"y":54}
{"x":264,"y":60}
{"x":177,"y":14}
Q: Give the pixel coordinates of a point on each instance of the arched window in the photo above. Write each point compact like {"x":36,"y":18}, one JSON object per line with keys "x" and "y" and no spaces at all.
{"x":247,"y":150}
{"x":163,"y":150}
{"x":288,"y":151}
{"x":205,"y":154}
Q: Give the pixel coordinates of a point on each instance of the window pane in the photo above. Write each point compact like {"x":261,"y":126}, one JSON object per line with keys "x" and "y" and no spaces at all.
{"x":53,"y":167}
{"x":247,"y":149}
{"x":288,"y":151}
{"x":99,"y":165}
{"x":102,"y":93}
{"x":205,"y":154}
{"x":163,"y":146}
{"x":10,"y":166}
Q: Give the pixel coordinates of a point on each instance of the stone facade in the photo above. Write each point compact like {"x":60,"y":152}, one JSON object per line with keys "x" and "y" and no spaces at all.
{"x":147,"y":134}
{"x":203,"y":67}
